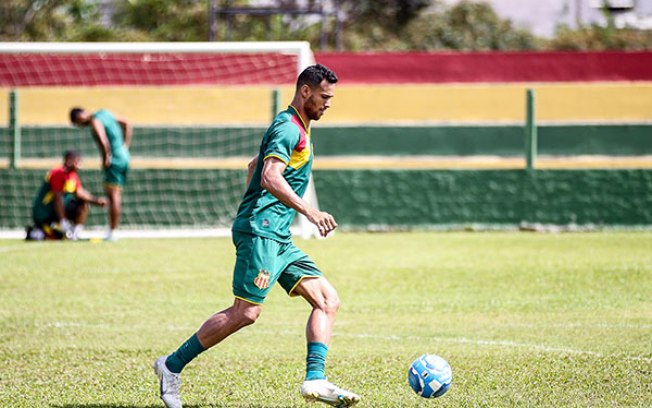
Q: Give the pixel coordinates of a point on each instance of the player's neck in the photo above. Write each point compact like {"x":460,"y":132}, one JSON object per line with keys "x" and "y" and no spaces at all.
{"x":302,"y":115}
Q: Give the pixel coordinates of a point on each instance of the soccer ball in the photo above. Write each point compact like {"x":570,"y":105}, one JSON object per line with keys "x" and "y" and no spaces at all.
{"x":430,"y":376}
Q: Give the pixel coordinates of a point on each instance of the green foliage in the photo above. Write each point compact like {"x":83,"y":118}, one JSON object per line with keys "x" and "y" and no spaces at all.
{"x":598,"y":38}
{"x":41,"y":20}
{"x":477,"y":27}
{"x":163,"y":20}
{"x":389,"y":25}
{"x":390,"y":14}
{"x":464,"y":26}
{"x":525,"y":320}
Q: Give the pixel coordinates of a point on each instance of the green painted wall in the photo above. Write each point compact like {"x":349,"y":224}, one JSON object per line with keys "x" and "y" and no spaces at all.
{"x":436,"y":197}
{"x":359,"y":198}
{"x":560,"y":140}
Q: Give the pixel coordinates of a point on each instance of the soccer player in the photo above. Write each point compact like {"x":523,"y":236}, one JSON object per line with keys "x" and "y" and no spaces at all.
{"x":61,"y":203}
{"x":113,"y":136}
{"x":265,"y":254}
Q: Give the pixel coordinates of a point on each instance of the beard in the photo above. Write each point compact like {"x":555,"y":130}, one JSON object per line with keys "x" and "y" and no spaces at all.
{"x":313,"y":112}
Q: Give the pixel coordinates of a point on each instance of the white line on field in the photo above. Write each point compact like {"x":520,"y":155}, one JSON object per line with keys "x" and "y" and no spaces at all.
{"x":16,"y":248}
{"x":501,"y":343}
{"x":455,"y":340}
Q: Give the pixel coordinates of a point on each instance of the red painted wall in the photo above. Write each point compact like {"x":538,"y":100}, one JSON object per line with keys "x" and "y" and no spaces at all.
{"x":397,"y":68}
{"x":353,"y":68}
{"x":146,"y":69}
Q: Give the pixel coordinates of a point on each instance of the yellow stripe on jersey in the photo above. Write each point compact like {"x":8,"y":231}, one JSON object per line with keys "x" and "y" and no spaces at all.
{"x":276,"y":156}
{"x":300,"y":159}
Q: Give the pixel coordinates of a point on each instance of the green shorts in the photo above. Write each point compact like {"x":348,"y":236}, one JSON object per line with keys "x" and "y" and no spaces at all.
{"x":260,"y":262}
{"x":116,"y":174}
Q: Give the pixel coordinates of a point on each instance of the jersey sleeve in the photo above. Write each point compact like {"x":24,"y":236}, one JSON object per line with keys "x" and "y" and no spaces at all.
{"x":77,"y":181}
{"x":282,"y":140}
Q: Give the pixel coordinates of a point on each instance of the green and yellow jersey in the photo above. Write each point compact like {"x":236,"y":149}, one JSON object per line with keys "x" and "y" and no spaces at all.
{"x":57,"y":180}
{"x":115,"y":136}
{"x":260,"y":213}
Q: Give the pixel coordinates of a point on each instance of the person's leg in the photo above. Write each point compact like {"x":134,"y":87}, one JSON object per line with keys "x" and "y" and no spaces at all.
{"x":77,"y":211}
{"x":81,"y":213}
{"x":325,"y":302}
{"x":214,"y":330}
{"x":253,"y":256}
{"x":218,"y":327}
{"x":114,"y":194}
{"x":115,"y":178}
{"x":323,"y":298}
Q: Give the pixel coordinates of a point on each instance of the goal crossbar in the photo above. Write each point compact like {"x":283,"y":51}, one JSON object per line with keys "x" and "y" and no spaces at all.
{"x":300,"y":48}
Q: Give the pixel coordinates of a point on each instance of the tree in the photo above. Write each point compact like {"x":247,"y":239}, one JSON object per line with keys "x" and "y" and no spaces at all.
{"x":464,"y":26}
{"x":163,"y":20}
{"x":53,"y":20}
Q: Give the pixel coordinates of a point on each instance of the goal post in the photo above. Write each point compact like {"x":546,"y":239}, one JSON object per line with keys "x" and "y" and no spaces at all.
{"x":198,"y":111}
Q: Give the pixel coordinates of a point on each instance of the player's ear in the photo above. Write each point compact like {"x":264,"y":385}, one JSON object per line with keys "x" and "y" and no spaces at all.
{"x":306,"y":91}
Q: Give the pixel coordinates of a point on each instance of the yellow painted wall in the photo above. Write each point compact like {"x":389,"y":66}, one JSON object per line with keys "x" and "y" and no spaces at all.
{"x":389,"y":104}
{"x":148,"y":105}
{"x":461,"y":103}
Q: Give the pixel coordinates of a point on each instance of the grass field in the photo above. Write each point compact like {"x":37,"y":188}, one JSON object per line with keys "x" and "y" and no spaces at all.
{"x":525,"y":320}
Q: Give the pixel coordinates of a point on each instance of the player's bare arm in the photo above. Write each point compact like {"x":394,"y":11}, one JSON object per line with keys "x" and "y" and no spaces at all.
{"x":85,"y":195}
{"x":58,"y":205}
{"x":127,"y":131}
{"x":102,"y":141}
{"x":273,"y":181}
{"x":250,"y":169}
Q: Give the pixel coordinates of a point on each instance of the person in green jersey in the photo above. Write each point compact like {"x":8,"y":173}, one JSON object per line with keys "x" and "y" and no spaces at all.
{"x":113,"y":136}
{"x":277,"y":178}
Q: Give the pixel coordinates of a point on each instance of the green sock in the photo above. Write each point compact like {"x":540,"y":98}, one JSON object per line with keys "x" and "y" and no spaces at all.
{"x":316,"y":361}
{"x":184,"y":354}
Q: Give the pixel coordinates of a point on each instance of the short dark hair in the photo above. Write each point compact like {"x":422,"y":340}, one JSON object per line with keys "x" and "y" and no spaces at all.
{"x":74,"y":113}
{"x":71,"y":154}
{"x":314,"y":75}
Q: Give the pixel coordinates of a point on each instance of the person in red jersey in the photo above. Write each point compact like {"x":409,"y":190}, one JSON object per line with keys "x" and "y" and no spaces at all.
{"x":61,"y":204}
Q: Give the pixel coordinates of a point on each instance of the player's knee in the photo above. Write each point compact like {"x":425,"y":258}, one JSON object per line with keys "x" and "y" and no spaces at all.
{"x":249,"y":315}
{"x":330,"y":303}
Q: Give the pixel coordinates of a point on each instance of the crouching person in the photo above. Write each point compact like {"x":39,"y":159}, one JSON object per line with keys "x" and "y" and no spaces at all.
{"x":61,"y":203}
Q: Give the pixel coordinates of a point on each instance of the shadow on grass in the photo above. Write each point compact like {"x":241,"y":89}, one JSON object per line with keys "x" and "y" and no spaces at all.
{"x":159,"y":406}
{"x":108,"y":406}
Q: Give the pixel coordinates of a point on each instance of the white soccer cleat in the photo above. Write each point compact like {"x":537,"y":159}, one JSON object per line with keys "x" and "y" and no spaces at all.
{"x":169,"y":384}
{"x":331,"y":394}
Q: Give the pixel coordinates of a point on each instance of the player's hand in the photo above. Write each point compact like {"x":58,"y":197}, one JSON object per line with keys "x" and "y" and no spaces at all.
{"x":107,"y":161}
{"x":102,"y":201}
{"x":324,"y":221}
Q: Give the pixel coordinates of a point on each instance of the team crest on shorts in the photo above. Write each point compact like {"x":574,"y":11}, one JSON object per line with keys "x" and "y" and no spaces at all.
{"x":262,"y":280}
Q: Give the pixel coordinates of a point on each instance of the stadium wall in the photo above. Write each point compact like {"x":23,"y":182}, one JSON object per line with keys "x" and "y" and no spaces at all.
{"x":379,"y":198}
{"x":354,"y":103}
{"x":498,"y":140}
{"x":488,"y":67}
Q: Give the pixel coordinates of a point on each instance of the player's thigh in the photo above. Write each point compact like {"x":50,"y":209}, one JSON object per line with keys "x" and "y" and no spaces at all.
{"x":297,"y":268}
{"x":72,"y":207}
{"x":319,"y":292}
{"x":116,"y":175}
{"x":256,"y":268}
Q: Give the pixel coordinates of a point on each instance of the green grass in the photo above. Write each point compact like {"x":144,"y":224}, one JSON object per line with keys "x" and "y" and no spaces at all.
{"x":548,"y":320}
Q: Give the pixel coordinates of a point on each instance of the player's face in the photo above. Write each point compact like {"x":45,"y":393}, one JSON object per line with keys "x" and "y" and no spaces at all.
{"x":72,"y":163}
{"x":319,"y":100}
{"x":82,"y":119}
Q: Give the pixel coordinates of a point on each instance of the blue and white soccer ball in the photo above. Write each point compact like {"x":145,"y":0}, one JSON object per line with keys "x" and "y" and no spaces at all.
{"x":430,"y":376}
